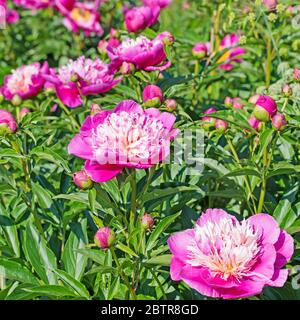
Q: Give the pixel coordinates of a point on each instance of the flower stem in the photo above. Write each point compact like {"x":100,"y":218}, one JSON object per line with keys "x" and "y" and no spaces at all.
{"x":159,"y":284}
{"x":284,"y":104}
{"x":69,"y":114}
{"x":133,"y":199}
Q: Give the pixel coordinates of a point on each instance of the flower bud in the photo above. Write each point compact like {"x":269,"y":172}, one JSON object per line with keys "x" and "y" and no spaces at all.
{"x":102,"y":46}
{"x":1,"y":97}
{"x":166,"y":37}
{"x":147,"y":221}
{"x":152,"y":96}
{"x":270,"y":4}
{"x":296,"y":74}
{"x":171,"y":104}
{"x":208,"y":122}
{"x":8,"y":123}
{"x":278,"y":121}
{"x":237,"y":104}
{"x":95,"y":109}
{"x":127,"y":68}
{"x":221,"y":126}
{"x":82,"y":180}
{"x":114,"y":33}
{"x":228,"y":102}
{"x":16,"y":100}
{"x":287,"y":90}
{"x":254,"y":98}
{"x":23,"y":112}
{"x":265,"y":108}
{"x":54,"y":108}
{"x":255,"y":124}
{"x":200,"y":50}
{"x":104,"y":238}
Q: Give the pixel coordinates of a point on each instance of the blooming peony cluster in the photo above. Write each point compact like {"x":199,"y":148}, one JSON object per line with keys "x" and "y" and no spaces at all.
{"x":81,"y":77}
{"x":222,"y":257}
{"x":126,"y":137}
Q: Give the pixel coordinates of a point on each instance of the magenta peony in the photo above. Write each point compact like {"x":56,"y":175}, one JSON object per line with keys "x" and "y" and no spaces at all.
{"x":265,"y":108}
{"x":144,"y":54}
{"x":25,"y":82}
{"x":127,"y":136}
{"x":9,"y":16}
{"x":160,"y":3}
{"x":222,"y":257}
{"x":81,"y":77}
{"x":34,"y":4}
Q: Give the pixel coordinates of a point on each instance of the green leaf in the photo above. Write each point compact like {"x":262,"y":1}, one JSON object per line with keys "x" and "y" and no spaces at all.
{"x":42,"y":259}
{"x":126,"y":249}
{"x":242,"y":172}
{"x":265,"y":139}
{"x":163,"y":260}
{"x":78,"y":287}
{"x":95,"y":255}
{"x":52,"y":290}
{"x":15,"y":271}
{"x":160,"y":228}
{"x":43,"y":196}
{"x":73,"y":260}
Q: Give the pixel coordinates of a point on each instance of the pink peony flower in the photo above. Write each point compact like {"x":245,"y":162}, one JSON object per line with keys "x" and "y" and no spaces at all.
{"x":8,"y":123}
{"x":7,"y":15}
{"x":224,"y":258}
{"x":81,"y":16}
{"x":68,"y":4}
{"x":34,"y":4}
{"x":140,"y":18}
{"x":145,"y":54}
{"x":82,"y":77}
{"x":105,"y":238}
{"x":265,"y":108}
{"x":228,"y":102}
{"x":25,"y":82}
{"x":233,"y":54}
{"x":127,"y":136}
{"x":160,"y":3}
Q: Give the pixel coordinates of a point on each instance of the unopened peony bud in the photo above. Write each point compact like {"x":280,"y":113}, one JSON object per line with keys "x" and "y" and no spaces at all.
{"x":95,"y":109}
{"x":254,"y":98}
{"x":147,"y":221}
{"x":265,"y":108}
{"x":279,"y":121}
{"x":237,"y":104}
{"x":228,"y":102}
{"x":296,"y":74}
{"x":105,"y":238}
{"x":270,"y":4}
{"x":8,"y":123}
{"x":166,"y":37}
{"x":200,"y":50}
{"x":152,"y":96}
{"x":102,"y":46}
{"x":171,"y":104}
{"x":16,"y":100}
{"x":82,"y":180}
{"x":208,"y":122}
{"x":255,"y":124}
{"x":23,"y":113}
{"x":287,"y":90}
{"x":127,"y":68}
{"x":221,"y":126}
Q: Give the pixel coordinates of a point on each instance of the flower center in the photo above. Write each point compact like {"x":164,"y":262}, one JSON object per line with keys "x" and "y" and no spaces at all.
{"x":227,"y":248}
{"x":81,"y":15}
{"x":87,"y":70}
{"x":130,"y":137}
{"x":21,"y":79}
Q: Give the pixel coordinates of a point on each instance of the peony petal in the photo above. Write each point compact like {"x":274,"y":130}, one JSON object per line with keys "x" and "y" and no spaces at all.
{"x":214,"y":215}
{"x":167,"y":119}
{"x":69,"y":95}
{"x":285,"y":249}
{"x":101,"y":173}
{"x":129,"y":106}
{"x":80,"y":147}
{"x":175,"y":268}
{"x":279,"y":278}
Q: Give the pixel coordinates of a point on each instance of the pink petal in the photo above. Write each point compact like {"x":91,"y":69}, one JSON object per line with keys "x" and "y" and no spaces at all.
{"x":214,"y":215}
{"x":80,"y":147}
{"x":175,"y":268}
{"x":69,"y":95}
{"x":101,"y":173}
{"x":129,"y":106}
{"x":179,"y":242}
{"x":285,"y":249}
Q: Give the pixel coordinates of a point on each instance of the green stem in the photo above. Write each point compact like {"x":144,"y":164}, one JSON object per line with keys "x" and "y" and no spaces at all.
{"x":122,"y":274}
{"x":268,"y":62}
{"x":69,"y":114}
{"x":264,"y":183}
{"x":284,"y":104}
{"x":133,"y":199}
{"x":159,"y":284}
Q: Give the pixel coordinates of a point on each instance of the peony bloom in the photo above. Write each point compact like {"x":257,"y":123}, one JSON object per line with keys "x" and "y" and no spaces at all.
{"x":81,"y":16}
{"x":200,"y":50}
{"x":127,"y":136}
{"x":265,"y":108}
{"x":140,"y":18}
{"x":25,"y":82}
{"x":8,"y":123}
{"x":34,"y":4}
{"x":222,"y":257}
{"x":161,"y":3}
{"x":144,"y":54}
{"x":152,"y":95}
{"x":7,"y":15}
{"x":82,"y":180}
{"x":81,"y":77}
{"x":233,"y":54}
{"x":105,"y":238}
{"x":278,"y":121}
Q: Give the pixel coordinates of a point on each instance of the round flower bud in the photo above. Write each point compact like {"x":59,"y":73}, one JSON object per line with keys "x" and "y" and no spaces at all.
{"x":16,"y":100}
{"x":208,"y":122}
{"x":127,"y":68}
{"x":254,"y":98}
{"x":8,"y":123}
{"x":95,"y":109}
{"x":82,"y":180}
{"x":152,"y":96}
{"x":102,"y":46}
{"x":171,"y":104}
{"x":228,"y":102}
{"x":278,"y":121}
{"x":221,"y":126}
{"x":104,"y":238}
{"x":287,"y":90}
{"x":147,"y":221}
{"x":265,"y":108}
{"x":200,"y":50}
{"x":166,"y":37}
{"x":255,"y":124}
{"x":237,"y":104}
{"x":296,"y":74}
